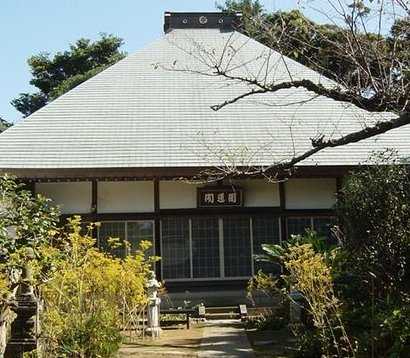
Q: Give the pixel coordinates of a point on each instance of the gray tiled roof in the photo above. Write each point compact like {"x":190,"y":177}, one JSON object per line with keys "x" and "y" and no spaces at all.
{"x":137,"y":114}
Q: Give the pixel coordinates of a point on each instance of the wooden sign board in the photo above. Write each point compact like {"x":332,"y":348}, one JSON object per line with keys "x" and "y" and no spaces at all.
{"x":220,"y":196}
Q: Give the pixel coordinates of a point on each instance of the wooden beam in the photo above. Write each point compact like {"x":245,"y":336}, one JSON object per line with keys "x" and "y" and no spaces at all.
{"x":150,"y":173}
{"x":157,"y":229}
{"x":94,"y":196}
{"x":94,"y":206}
{"x":206,"y":212}
{"x":283,"y":218}
{"x":223,"y":211}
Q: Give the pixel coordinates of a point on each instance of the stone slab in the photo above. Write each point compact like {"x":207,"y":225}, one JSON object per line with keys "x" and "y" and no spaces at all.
{"x":225,"y":338}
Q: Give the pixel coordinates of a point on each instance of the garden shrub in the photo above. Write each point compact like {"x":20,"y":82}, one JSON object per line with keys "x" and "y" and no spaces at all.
{"x":308,"y":270}
{"x":375,"y":212}
{"x":26,"y":222}
{"x":89,"y":295}
{"x":31,"y":218}
{"x":269,"y":319}
{"x":373,"y":272}
{"x":264,"y":283}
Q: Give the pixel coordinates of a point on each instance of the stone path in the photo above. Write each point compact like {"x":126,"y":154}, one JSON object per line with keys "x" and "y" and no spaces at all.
{"x":225,"y":338}
{"x":219,"y":338}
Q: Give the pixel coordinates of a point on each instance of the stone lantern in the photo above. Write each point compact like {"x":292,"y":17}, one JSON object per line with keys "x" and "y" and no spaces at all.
{"x":153,"y":329}
{"x":23,"y":336}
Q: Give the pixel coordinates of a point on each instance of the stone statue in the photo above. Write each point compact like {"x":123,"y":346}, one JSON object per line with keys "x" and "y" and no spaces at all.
{"x":153,"y":329}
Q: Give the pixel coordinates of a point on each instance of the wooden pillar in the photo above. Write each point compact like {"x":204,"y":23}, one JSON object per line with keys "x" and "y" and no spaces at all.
{"x":157,"y":229}
{"x":94,"y":196}
{"x":283,"y":219}
{"x":94,"y":204}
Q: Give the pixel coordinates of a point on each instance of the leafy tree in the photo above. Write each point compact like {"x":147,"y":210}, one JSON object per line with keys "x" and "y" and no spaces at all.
{"x":65,"y":70}
{"x":375,"y":212}
{"x":4,"y":124}
{"x":25,"y":221}
{"x":323,"y":47}
{"x":251,"y":11}
{"x":373,"y":273}
{"x":369,"y":65}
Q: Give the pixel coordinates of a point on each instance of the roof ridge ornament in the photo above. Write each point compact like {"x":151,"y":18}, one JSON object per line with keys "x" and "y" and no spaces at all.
{"x":198,"y":20}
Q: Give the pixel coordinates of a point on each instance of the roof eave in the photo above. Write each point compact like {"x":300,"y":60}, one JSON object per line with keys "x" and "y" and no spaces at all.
{"x":149,"y":173}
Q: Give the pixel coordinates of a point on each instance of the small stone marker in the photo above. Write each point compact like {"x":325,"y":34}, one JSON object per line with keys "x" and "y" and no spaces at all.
{"x":201,"y":311}
{"x":296,"y":307}
{"x":243,"y":312}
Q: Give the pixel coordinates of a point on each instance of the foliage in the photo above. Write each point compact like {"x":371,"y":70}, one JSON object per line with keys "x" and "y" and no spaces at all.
{"x":264,"y":283}
{"x":5,"y":285}
{"x":372,"y":276}
{"x":376,"y":214}
{"x":65,"y":70}
{"x":268,"y":320}
{"x":4,"y":125}
{"x":309,"y":273}
{"x":25,"y":221}
{"x":328,"y":48}
{"x":250,"y":9}
{"x":396,"y":324}
{"x":89,"y":294}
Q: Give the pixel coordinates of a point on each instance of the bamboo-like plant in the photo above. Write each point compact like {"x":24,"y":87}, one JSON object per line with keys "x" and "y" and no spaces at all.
{"x":309,"y":272}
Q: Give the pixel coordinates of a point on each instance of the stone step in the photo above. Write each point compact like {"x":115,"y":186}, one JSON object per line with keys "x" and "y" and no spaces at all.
{"x":226,"y":309}
{"x":222,"y":315}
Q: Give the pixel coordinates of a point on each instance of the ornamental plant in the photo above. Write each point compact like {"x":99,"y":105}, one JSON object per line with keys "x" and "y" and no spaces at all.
{"x":26,"y":221}
{"x":375,"y":210}
{"x":373,"y":274}
{"x":309,"y":272}
{"x":89,"y":295}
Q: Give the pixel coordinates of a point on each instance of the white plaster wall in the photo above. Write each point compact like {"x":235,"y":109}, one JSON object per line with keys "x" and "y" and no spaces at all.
{"x":310,"y":193}
{"x":73,"y":198}
{"x":125,"y":197}
{"x":180,"y":195}
{"x":177,"y":195}
{"x":259,"y":192}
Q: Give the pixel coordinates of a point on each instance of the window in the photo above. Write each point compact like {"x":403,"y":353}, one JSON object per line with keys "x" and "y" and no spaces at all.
{"x":237,"y":246}
{"x":322,"y":225}
{"x":138,"y":231}
{"x":109,"y":230}
{"x":298,"y":225}
{"x":265,"y":230}
{"x":131,"y":231}
{"x":175,"y":249}
{"x":213,"y":247}
{"x":205,"y":247}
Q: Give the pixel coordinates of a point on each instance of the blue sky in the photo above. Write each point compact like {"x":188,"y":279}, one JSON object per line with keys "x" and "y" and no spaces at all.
{"x":28,"y":27}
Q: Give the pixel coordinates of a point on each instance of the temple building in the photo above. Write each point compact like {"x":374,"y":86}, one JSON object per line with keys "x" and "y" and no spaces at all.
{"x":141,"y":149}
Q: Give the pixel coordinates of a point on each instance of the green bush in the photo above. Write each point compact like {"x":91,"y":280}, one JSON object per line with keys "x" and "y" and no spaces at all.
{"x":89,"y":295}
{"x":94,"y":335}
{"x":375,"y":211}
{"x":372,"y":274}
{"x":268,"y":321}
